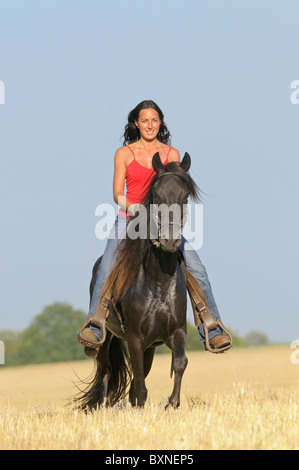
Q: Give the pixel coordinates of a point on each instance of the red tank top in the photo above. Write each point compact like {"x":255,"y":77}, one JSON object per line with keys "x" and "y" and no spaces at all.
{"x":138,"y":177}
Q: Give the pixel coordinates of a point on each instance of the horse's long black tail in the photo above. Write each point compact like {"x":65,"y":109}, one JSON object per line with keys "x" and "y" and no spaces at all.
{"x":117,"y":371}
{"x":121,"y":371}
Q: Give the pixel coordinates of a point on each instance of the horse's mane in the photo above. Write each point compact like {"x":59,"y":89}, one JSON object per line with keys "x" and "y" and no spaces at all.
{"x":132,"y":253}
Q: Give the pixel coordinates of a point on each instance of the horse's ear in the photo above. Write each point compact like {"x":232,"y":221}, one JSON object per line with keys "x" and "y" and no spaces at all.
{"x":156,"y":162}
{"x":186,"y":162}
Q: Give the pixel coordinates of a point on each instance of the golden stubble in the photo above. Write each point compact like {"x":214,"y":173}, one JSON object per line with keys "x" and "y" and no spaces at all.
{"x":244,"y":399}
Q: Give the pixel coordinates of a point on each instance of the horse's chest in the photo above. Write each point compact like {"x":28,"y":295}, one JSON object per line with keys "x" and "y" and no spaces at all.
{"x":162,"y":289}
{"x":158,"y":304}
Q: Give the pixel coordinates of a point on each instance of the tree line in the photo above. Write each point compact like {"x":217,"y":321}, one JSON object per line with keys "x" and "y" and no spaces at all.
{"x":51,"y":337}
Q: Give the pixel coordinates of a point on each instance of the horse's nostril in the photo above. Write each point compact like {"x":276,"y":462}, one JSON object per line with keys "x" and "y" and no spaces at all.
{"x":170,"y":246}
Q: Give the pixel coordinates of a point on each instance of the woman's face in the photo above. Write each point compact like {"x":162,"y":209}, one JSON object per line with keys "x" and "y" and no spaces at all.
{"x":148,"y":123}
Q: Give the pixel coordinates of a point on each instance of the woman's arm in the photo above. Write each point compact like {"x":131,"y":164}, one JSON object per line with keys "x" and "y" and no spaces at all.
{"x":120,"y":169}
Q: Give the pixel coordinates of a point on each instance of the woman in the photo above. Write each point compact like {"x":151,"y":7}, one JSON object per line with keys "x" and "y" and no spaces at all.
{"x":145,"y":134}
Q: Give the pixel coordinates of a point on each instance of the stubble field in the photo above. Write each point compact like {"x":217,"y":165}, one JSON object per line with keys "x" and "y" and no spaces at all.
{"x":243,"y":399}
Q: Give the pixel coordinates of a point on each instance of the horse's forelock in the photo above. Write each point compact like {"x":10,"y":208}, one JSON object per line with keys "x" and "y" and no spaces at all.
{"x":172,"y":168}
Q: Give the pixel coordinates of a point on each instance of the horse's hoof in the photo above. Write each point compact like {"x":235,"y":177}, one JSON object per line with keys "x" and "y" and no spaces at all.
{"x":172,"y":405}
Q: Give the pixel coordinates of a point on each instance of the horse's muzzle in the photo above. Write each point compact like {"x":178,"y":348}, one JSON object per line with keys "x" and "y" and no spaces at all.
{"x":170,"y":237}
{"x":170,"y":245}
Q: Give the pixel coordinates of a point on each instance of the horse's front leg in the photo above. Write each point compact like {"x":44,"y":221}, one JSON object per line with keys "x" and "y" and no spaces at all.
{"x":138,"y":391}
{"x":148,"y":357}
{"x":178,"y":366}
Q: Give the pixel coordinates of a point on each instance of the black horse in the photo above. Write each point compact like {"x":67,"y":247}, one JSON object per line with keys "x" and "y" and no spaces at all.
{"x":148,"y":306}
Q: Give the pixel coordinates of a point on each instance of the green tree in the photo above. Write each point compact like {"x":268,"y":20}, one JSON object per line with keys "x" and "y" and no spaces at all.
{"x":255,"y":338}
{"x":52,"y":336}
{"x":10,"y":339}
{"x":193,"y":342}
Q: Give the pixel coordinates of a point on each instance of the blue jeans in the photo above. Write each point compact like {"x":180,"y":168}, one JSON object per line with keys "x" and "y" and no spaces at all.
{"x":193,"y":264}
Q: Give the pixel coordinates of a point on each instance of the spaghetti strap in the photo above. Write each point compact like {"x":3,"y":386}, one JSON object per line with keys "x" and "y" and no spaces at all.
{"x":131,"y":151}
{"x":168,"y":152}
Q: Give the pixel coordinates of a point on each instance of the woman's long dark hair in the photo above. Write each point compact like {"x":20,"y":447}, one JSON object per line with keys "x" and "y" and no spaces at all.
{"x":132,"y":134}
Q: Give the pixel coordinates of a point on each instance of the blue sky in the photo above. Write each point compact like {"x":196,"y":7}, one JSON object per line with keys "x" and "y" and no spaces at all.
{"x":221,"y":72}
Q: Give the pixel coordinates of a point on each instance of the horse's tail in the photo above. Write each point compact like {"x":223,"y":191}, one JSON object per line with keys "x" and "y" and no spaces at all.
{"x":121,"y":371}
{"x":118,"y":373}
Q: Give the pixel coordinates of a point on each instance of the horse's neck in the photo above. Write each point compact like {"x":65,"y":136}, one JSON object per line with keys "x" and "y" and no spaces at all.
{"x":162,"y":262}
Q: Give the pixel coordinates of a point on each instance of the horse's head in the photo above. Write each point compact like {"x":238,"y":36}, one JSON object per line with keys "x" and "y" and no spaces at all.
{"x":170,"y":190}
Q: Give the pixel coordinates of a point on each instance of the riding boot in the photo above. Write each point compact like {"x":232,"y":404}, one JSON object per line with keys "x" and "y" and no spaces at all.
{"x":202,"y":314}
{"x":86,"y":335}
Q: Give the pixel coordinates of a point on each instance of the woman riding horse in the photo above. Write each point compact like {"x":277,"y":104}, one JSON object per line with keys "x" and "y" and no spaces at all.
{"x":145,"y":135}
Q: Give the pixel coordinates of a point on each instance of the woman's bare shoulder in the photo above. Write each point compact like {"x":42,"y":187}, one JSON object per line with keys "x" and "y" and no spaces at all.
{"x":174,"y":155}
{"x":122,"y":156}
